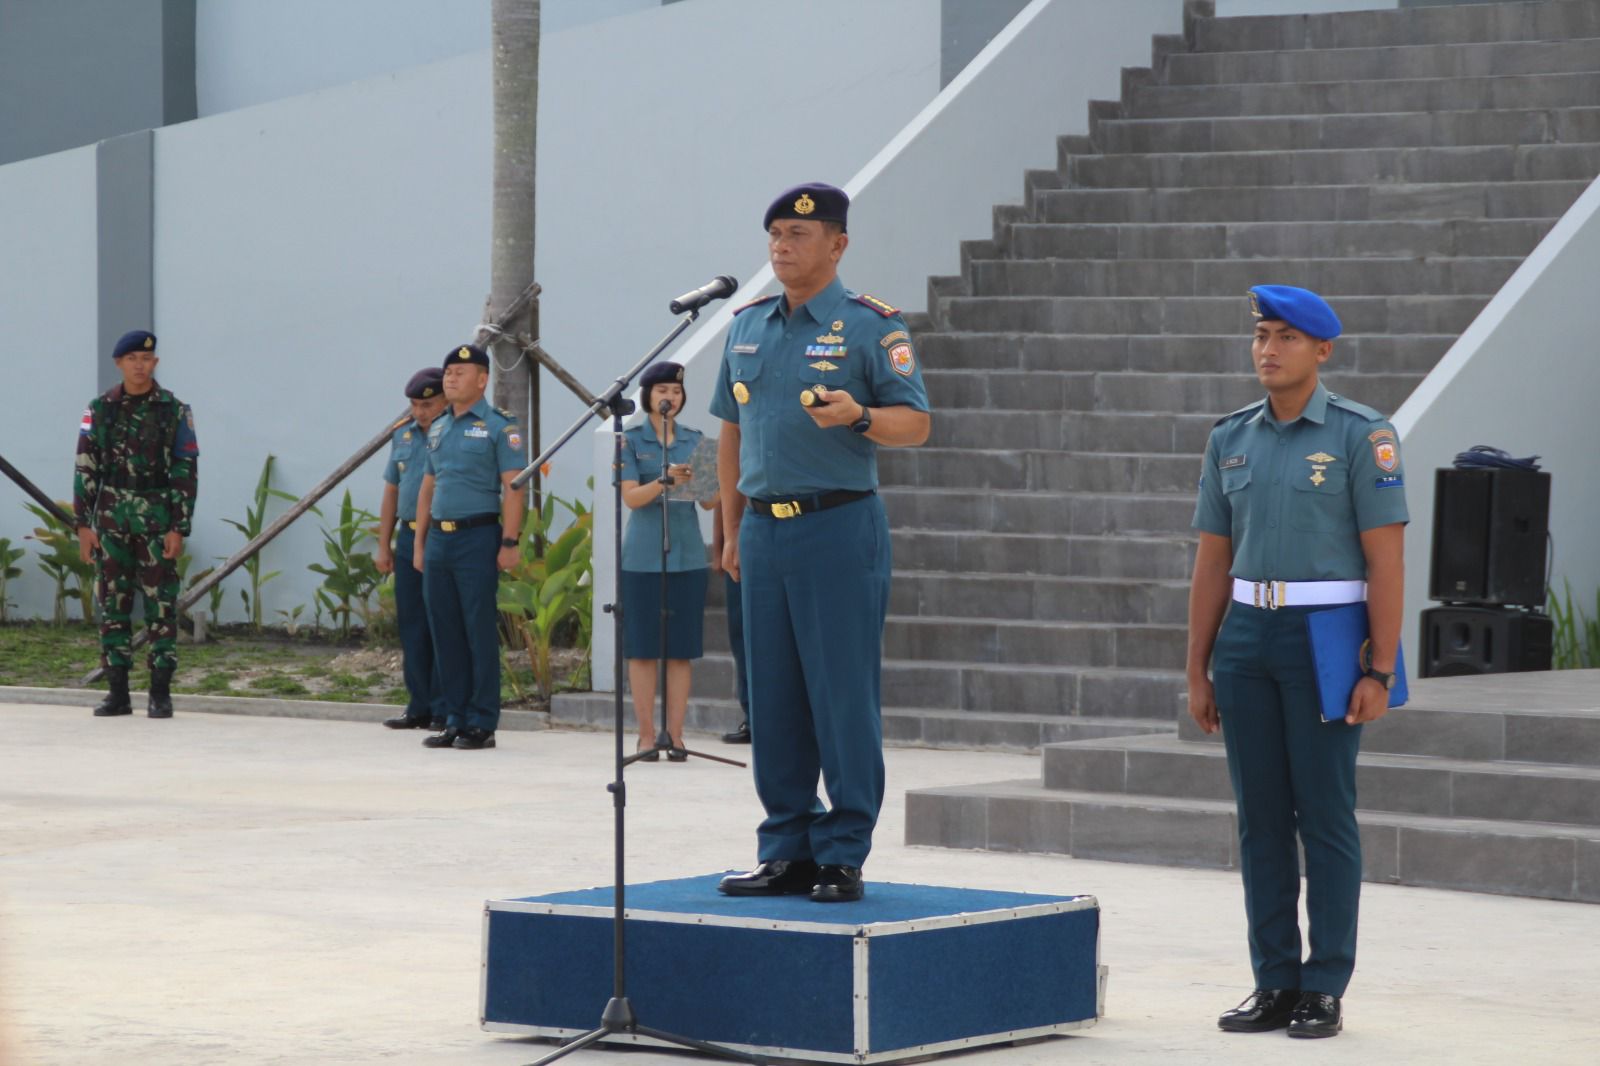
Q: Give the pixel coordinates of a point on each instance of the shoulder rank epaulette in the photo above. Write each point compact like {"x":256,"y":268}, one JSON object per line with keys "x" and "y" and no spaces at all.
{"x":876,"y":304}
{"x":503,"y":413}
{"x":1243,"y":410}
{"x":758,"y":300}
{"x":1371,"y":414}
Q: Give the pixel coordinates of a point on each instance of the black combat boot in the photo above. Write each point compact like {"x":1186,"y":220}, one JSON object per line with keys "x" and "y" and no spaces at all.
{"x":160,"y":705}
{"x":116,"y":701}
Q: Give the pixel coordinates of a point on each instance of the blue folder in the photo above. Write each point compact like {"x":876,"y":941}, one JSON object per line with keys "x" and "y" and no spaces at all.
{"x":1336,"y":638}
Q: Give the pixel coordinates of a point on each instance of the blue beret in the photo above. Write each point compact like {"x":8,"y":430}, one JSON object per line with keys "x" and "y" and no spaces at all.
{"x":661,"y":374}
{"x":135,"y":340}
{"x":425,"y":383}
{"x":1301,"y":308}
{"x":469,"y":354}
{"x":822,"y":203}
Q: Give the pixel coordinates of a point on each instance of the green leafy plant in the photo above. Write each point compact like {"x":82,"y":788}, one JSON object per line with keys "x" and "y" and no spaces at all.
{"x":59,"y":559}
{"x":351,"y":575}
{"x":544,"y":590}
{"x":1576,"y":636}
{"x":291,"y":619}
{"x":255,"y":520}
{"x":9,"y":556}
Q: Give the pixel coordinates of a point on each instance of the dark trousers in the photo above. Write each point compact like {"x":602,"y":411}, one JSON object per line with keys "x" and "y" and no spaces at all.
{"x":416,"y":640}
{"x":1293,"y":774}
{"x":735,"y":598}
{"x":459,"y":583}
{"x":816,"y":593}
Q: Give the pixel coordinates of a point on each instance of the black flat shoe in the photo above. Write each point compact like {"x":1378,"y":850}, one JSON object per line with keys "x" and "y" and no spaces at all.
{"x":647,"y":754}
{"x":472,"y":739}
{"x":837,"y":884}
{"x":1263,"y":1011}
{"x":1316,"y":1015}
{"x":676,"y":753}
{"x":740,"y":735}
{"x":442,"y":740}
{"x":406,"y":722}
{"x":775,"y":877}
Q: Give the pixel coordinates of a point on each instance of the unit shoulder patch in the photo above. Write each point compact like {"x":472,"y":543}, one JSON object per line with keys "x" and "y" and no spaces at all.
{"x":890,"y":339}
{"x":876,"y":304}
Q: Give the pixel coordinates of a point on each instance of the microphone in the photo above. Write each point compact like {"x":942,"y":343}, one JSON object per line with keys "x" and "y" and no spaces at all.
{"x":718,"y":288}
{"x":665,"y":408}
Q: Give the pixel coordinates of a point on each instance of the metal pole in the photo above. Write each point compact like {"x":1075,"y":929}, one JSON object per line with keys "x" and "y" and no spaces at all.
{"x":37,"y":493}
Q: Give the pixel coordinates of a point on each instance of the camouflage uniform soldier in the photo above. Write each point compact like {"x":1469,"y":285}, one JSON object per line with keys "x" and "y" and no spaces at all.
{"x":133,"y":499}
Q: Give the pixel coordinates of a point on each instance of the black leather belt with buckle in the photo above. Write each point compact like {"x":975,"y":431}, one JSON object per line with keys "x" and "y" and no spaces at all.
{"x":456,"y":525}
{"x":794,"y":508}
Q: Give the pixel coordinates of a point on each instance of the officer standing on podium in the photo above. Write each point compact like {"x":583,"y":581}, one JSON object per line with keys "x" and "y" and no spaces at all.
{"x":1302,"y":505}
{"x":402,"y":477}
{"x":468,"y":522}
{"x":813,"y":382}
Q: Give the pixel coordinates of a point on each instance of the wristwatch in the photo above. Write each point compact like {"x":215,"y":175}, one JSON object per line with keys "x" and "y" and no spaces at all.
{"x":508,"y":542}
{"x":1386,"y":680}
{"x":864,"y":423}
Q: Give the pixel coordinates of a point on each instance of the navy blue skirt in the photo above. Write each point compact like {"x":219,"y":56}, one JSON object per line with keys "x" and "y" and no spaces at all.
{"x":641,"y":614}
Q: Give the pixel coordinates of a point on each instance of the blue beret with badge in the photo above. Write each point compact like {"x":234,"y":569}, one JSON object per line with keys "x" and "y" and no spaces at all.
{"x":425,"y":384}
{"x":135,"y":340}
{"x":1301,"y":308}
{"x":814,"y":200}
{"x":665,"y":373}
{"x":468,"y":355}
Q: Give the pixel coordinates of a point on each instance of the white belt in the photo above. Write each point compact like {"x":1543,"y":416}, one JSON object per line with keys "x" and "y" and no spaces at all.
{"x":1275,"y":594}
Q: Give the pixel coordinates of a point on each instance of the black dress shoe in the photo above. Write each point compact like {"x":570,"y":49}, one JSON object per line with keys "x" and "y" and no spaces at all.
{"x":837,"y":884}
{"x":1266,"y":1009}
{"x":677,"y":752}
{"x":740,"y":735}
{"x":472,"y":738}
{"x":775,"y":877}
{"x":1317,"y":1014}
{"x":408,"y":722}
{"x":650,"y":754}
{"x":442,"y":740}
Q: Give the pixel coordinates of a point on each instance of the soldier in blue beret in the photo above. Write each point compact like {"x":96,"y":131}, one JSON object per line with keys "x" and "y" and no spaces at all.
{"x":1302,"y":507}
{"x":469,"y":519}
{"x":402,"y":478}
{"x":813,"y":382}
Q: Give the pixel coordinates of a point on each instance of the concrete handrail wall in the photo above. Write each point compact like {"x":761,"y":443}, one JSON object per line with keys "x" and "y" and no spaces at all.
{"x":932,"y":185}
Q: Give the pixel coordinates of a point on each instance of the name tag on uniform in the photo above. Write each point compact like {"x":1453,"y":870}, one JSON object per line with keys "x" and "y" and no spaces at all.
{"x":745,"y":349}
{"x":476,"y":431}
{"x":1232,"y":461}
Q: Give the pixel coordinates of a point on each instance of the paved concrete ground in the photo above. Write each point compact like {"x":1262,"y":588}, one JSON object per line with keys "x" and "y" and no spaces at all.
{"x":226,"y":889}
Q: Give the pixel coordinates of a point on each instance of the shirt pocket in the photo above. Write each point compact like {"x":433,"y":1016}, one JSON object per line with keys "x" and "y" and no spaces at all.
{"x":1323,"y":505}
{"x":1236,"y":490}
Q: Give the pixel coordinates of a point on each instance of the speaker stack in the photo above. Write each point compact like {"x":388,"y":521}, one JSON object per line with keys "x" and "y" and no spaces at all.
{"x":1490,"y":529}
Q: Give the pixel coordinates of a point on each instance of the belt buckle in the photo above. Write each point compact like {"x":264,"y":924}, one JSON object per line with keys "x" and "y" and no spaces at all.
{"x":1275,"y":594}
{"x":447,"y":526}
{"x":786,"y":510}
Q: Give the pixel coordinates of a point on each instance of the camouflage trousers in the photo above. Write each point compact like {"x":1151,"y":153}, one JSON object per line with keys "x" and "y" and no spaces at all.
{"x":129,"y":563}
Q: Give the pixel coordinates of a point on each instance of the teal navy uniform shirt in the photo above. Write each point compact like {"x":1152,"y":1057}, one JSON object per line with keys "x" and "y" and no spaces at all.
{"x":466,"y":457}
{"x":641,"y":544}
{"x":408,"y":461}
{"x":838,"y":339}
{"x":1295,"y":497}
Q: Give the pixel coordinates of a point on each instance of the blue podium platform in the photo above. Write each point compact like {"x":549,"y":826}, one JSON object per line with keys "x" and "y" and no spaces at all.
{"x":907,"y":972}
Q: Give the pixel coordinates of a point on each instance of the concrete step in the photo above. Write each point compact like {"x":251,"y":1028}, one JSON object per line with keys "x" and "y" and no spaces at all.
{"x":1513,"y":92}
{"x":1399,"y":784}
{"x":1050,"y":471}
{"x":1150,"y":558}
{"x":1038,"y":597}
{"x":1451,"y":60}
{"x":1338,"y":166}
{"x":1160,"y":354}
{"x":1198,"y":314}
{"x":1506,"y":857}
{"x":1383,"y":129}
{"x":1553,"y":20}
{"x":1276,"y":240}
{"x":1445,"y":275}
{"x":1313,"y":203}
{"x":1081,"y":513}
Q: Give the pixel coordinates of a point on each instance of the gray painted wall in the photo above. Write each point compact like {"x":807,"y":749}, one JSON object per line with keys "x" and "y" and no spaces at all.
{"x":965,"y":26}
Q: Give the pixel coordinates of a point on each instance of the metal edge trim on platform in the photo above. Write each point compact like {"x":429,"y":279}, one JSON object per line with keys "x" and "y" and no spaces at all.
{"x":483,"y":973}
{"x":861,"y":954}
{"x":807,"y":1055}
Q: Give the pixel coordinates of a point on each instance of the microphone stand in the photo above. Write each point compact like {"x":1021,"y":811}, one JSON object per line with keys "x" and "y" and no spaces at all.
{"x":664,"y":740}
{"x":618,"y":1017}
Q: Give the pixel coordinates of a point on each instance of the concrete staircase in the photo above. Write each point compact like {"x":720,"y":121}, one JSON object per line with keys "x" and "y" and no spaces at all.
{"x":1401,"y":162}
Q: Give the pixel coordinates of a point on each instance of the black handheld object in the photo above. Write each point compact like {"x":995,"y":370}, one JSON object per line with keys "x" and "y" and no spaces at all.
{"x":718,"y":288}
{"x":813,"y":397}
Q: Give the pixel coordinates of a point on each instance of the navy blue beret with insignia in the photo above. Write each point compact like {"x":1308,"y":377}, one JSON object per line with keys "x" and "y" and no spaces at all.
{"x":665,"y":373}
{"x":469,"y":354}
{"x":815,"y":200}
{"x":1301,"y":308}
{"x":135,"y":340}
{"x":425,"y":384}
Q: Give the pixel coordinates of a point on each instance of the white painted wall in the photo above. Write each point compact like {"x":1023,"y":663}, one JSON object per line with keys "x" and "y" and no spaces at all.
{"x":933,"y":184}
{"x":1523,"y":377}
{"x":47,"y":302}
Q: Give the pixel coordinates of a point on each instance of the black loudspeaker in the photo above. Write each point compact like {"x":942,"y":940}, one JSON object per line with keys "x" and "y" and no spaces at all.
{"x":1484,"y":640}
{"x":1489,"y":533}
